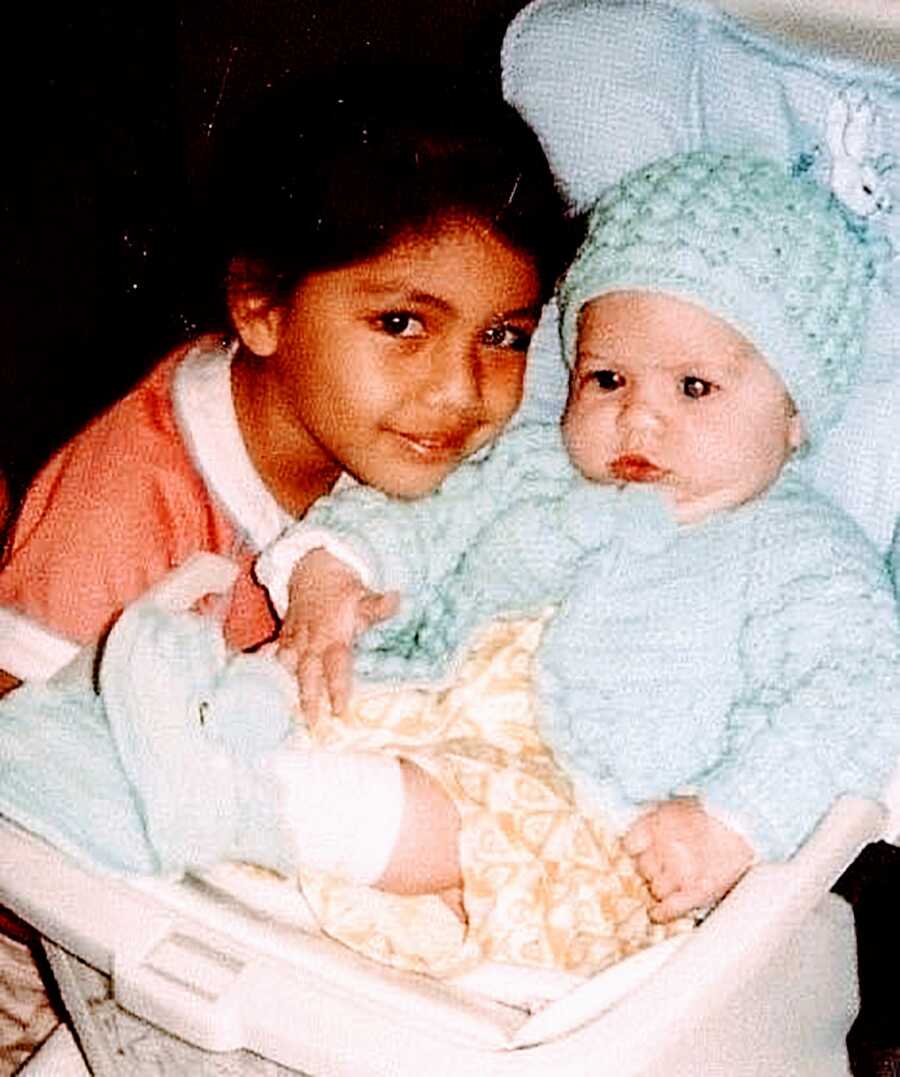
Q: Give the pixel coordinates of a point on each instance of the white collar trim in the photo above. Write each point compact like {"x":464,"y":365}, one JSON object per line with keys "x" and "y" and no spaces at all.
{"x":30,"y":651}
{"x":204,"y":411}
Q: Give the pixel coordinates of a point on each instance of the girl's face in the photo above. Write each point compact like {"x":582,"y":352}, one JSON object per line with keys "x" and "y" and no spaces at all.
{"x":395,"y":368}
{"x":663,"y":392}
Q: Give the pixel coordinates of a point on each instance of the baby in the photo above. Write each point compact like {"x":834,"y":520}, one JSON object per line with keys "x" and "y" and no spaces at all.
{"x":722,"y":661}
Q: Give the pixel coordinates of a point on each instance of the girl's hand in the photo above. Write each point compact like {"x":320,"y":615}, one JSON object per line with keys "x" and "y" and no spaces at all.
{"x":689,"y":859}
{"x":328,"y":606}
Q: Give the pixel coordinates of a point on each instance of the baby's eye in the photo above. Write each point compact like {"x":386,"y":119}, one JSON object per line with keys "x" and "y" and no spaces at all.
{"x":608,"y":380}
{"x":696,"y":388}
{"x":507,"y":336}
{"x":400,"y":323}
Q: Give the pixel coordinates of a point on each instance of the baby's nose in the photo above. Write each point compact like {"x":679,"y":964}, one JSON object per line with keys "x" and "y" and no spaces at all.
{"x":640,"y":411}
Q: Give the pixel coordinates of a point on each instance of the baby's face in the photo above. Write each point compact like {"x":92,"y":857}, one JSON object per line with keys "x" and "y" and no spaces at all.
{"x":663,"y":392}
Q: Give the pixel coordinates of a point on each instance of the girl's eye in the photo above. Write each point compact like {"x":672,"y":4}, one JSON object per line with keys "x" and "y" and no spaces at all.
{"x":608,"y":380}
{"x":507,"y":336}
{"x":400,"y":323}
{"x":696,"y":388}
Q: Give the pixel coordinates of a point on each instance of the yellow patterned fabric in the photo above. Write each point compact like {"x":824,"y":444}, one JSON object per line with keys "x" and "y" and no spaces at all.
{"x":544,"y":883}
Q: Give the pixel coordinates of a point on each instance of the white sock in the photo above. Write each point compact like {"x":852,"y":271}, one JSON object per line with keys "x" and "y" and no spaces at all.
{"x":343,"y":809}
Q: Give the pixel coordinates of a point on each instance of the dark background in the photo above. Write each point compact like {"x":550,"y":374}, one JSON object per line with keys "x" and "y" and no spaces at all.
{"x":109,"y":119}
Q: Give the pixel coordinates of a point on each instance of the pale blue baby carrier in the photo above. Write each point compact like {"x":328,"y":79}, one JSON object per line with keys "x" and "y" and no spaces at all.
{"x":767,"y":984}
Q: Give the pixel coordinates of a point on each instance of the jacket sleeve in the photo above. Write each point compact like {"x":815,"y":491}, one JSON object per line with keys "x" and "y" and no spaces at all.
{"x":531,"y":554}
{"x":820,"y":716}
{"x":415,"y":547}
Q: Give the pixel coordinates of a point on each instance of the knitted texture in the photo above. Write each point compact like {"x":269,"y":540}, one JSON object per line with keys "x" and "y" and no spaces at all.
{"x":610,"y":85}
{"x":503,"y":533}
{"x":765,"y":681}
{"x":422,"y":549}
{"x":754,"y":658}
{"x":194,"y":733}
{"x":132,"y":780}
{"x":774,"y":255}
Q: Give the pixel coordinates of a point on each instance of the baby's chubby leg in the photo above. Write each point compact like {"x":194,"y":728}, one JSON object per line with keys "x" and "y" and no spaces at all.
{"x":368,"y":818}
{"x":221,"y":771}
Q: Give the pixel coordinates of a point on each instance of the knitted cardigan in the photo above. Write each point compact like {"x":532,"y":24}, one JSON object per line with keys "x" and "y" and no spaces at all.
{"x":752,"y":659}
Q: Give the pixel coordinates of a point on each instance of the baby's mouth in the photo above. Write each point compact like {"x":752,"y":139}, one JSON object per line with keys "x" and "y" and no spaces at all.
{"x":632,"y":467}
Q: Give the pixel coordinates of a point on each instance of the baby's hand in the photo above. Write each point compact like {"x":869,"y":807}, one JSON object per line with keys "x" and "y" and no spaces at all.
{"x":328,"y":606}
{"x":689,"y":859}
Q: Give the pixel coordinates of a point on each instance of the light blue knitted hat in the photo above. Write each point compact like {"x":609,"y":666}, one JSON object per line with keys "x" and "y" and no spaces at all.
{"x":776,"y":256}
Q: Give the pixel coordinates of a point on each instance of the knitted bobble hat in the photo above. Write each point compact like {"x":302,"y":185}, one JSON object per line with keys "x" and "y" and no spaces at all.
{"x":776,"y":256}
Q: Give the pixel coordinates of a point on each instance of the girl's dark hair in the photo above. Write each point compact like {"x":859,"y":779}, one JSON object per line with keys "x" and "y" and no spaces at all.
{"x":325,"y":176}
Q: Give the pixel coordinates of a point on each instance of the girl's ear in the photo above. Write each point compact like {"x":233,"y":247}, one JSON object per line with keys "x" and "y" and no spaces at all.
{"x":254,"y":314}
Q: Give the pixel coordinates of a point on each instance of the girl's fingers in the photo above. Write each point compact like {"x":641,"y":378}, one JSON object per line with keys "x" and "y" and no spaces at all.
{"x":320,"y":651}
{"x":309,"y":678}
{"x":292,"y":637}
{"x":287,"y":656}
{"x":373,"y":608}
{"x":337,"y":666}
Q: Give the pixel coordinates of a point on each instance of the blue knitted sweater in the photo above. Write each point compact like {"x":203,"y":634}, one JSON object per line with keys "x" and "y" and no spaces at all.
{"x":752,"y":659}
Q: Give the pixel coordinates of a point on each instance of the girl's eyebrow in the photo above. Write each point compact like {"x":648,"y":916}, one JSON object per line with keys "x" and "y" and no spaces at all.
{"x":534,"y":311}
{"x":400,"y":291}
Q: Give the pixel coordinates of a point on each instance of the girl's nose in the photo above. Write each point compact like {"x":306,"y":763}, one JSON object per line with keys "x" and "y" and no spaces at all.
{"x":454,"y":377}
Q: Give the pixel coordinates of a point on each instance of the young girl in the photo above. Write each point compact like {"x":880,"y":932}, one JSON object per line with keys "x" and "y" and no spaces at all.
{"x":389,"y":243}
{"x":388,"y":253}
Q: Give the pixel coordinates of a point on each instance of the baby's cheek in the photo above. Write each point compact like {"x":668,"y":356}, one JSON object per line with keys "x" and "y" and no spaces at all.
{"x":586,"y":442}
{"x":763,"y":461}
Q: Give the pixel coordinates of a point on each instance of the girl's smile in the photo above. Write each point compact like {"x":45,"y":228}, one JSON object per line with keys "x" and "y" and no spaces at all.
{"x":437,"y":447}
{"x":393,"y":369}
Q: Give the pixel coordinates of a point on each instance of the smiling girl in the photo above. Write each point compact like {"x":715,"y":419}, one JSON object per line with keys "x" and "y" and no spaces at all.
{"x":388,"y":245}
